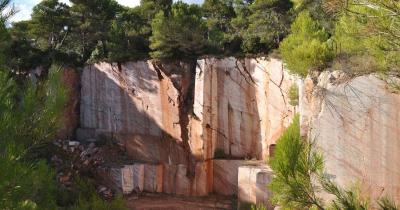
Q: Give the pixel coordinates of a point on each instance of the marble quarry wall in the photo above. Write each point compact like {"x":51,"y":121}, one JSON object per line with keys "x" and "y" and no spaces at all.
{"x":180,"y":117}
{"x":356,"y":124}
{"x":190,"y":128}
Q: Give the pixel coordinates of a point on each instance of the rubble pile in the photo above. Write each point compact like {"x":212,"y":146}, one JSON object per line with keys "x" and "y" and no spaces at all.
{"x":76,"y":158}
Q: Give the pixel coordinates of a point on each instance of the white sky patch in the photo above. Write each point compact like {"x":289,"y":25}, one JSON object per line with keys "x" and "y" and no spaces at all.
{"x":129,"y":3}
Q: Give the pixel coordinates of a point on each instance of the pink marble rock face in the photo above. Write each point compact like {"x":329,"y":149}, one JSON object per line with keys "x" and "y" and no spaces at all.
{"x":130,"y":98}
{"x":356,"y":125}
{"x":241,"y":105}
{"x":179,"y":116}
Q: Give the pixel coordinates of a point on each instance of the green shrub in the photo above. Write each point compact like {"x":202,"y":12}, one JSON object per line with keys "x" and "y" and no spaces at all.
{"x":29,"y":116}
{"x":258,"y":207}
{"x":386,"y":203}
{"x":306,"y":47}
{"x":293,"y":95}
{"x":96,"y":203}
{"x":294,"y":164}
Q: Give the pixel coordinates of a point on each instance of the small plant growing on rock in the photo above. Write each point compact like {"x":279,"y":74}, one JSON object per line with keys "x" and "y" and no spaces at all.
{"x":219,"y":154}
{"x":293,"y":95}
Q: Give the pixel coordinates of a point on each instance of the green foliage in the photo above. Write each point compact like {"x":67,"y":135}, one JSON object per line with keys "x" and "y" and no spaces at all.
{"x":50,"y":20}
{"x":4,"y":35}
{"x":367,"y":44}
{"x":28,"y":118}
{"x":293,"y":95}
{"x":258,"y":207}
{"x":86,"y":198}
{"x":295,"y":164}
{"x":179,"y":35}
{"x":32,"y":119}
{"x":129,"y":38}
{"x":92,"y":22}
{"x":344,"y":199}
{"x":268,"y":24}
{"x":96,"y":203}
{"x":306,"y":48}
{"x":218,"y":15}
{"x":386,"y":203}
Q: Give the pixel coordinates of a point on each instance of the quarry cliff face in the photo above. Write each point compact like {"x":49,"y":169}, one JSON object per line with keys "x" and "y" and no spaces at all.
{"x":179,"y":118}
{"x":236,"y":107}
{"x":208,"y":126}
{"x":355,"y":122}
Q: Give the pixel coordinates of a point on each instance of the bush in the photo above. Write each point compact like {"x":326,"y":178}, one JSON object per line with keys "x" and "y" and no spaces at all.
{"x":306,"y":48}
{"x":28,"y":117}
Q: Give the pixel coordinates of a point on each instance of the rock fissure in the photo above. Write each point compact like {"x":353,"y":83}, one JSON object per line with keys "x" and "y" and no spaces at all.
{"x":243,"y":75}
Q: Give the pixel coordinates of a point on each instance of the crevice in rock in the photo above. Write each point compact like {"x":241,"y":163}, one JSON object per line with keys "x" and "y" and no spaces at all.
{"x":185,"y":87}
{"x":243,"y":62}
{"x":244,"y":76}
{"x":280,"y":84}
{"x":158,"y":68}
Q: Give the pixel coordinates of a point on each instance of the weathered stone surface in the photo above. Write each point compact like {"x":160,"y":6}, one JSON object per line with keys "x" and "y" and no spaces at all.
{"x":356,"y":124}
{"x":226,"y":176}
{"x":152,"y":149}
{"x":153,"y":178}
{"x":180,"y":115}
{"x":242,"y":106}
{"x":204,"y":178}
{"x":135,"y":97}
{"x":127,"y":179}
{"x":252,"y":184}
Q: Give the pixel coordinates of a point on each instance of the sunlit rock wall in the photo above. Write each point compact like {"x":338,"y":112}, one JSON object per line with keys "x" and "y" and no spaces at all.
{"x":135,"y":97}
{"x":356,"y":123}
{"x":241,"y":106}
{"x":181,"y":115}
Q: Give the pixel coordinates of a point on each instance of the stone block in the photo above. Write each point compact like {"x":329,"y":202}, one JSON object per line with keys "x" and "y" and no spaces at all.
{"x":153,"y":178}
{"x":226,"y":176}
{"x":182,"y":182}
{"x":203,"y":181}
{"x":127,"y":179}
{"x":138,"y":176}
{"x":252,"y":185}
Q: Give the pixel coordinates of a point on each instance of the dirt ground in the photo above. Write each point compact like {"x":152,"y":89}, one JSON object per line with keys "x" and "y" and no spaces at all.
{"x":167,"y":202}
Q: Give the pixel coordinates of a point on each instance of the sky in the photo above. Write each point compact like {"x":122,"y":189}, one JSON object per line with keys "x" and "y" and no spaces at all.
{"x":24,"y":7}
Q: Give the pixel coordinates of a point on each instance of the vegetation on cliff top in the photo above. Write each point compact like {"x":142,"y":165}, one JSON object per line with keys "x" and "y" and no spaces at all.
{"x":357,"y":36}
